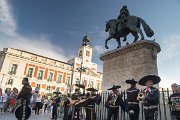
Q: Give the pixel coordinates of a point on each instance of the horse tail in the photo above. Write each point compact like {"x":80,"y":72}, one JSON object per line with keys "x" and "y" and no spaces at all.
{"x":149,"y":32}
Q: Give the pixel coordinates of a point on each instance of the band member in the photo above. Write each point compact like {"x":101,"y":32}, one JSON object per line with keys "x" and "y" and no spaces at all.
{"x":75,"y":97}
{"x":113,"y":102}
{"x":55,"y":104}
{"x":133,"y":103}
{"x":90,"y":107}
{"x":151,"y":96}
{"x":174,"y":102}
{"x":67,"y":105}
{"x":23,"y":112}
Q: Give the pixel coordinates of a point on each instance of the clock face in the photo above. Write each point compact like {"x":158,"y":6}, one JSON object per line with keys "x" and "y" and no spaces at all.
{"x":87,"y":53}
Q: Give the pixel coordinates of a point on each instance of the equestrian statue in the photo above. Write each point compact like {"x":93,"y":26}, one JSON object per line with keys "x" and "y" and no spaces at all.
{"x":125,"y":24}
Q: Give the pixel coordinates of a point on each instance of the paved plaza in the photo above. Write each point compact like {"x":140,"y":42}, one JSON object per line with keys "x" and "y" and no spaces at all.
{"x":43,"y":116}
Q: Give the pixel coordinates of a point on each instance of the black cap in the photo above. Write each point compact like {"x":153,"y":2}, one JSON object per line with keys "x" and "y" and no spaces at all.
{"x":25,"y":79}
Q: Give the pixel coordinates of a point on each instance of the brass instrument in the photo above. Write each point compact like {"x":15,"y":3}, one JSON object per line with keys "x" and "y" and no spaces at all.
{"x":140,"y":96}
{"x":113,"y":100}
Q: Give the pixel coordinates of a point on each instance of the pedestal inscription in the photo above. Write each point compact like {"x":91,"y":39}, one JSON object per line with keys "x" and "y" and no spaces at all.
{"x":132,"y":61}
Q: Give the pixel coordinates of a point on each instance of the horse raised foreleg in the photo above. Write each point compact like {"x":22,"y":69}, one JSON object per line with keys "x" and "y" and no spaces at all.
{"x":119,"y":42}
{"x":107,"y":41}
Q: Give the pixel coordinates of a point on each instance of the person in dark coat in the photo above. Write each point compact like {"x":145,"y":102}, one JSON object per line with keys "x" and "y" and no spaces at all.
{"x":67,"y":105}
{"x":26,"y":91}
{"x":133,"y":103}
{"x":92,"y":100}
{"x":25,"y":96}
{"x":76,"y":110}
{"x":151,"y":96}
{"x":55,"y":104}
{"x":113,"y":102}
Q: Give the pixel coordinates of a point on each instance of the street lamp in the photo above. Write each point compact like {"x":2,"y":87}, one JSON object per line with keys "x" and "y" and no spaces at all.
{"x":80,"y":70}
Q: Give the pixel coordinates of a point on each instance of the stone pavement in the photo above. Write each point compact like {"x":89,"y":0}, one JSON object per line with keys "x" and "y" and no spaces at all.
{"x":42,"y":116}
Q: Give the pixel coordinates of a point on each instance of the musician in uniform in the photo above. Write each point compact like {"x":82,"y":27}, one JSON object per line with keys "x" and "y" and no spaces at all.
{"x":67,"y":105}
{"x":151,"y":96}
{"x":55,"y":104}
{"x":92,"y":100}
{"x":174,"y":102}
{"x":25,"y":96}
{"x":133,"y":103}
{"x":75,"y":97}
{"x":113,"y":102}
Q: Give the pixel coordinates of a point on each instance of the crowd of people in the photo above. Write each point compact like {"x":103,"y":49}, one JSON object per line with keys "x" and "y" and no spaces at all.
{"x":71,"y":104}
{"x":8,"y":100}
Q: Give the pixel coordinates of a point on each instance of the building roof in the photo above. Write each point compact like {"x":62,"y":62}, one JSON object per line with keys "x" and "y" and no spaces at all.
{"x":6,"y":50}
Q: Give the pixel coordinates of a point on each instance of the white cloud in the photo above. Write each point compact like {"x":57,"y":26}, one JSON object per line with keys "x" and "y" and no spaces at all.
{"x":169,"y":48}
{"x":99,"y":49}
{"x":7,"y":21}
{"x":37,"y":44}
{"x":103,"y":34}
{"x":165,"y":80}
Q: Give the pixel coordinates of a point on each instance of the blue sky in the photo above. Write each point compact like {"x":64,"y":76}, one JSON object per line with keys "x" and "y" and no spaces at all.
{"x":55,"y":28}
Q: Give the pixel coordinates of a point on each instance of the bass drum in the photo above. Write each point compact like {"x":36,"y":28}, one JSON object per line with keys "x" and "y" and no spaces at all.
{"x":19,"y":112}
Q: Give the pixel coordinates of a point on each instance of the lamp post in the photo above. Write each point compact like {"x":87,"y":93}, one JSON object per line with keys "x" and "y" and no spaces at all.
{"x":81,"y":69}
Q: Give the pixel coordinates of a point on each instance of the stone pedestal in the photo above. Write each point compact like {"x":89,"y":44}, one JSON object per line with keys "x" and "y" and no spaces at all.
{"x":132,"y":61}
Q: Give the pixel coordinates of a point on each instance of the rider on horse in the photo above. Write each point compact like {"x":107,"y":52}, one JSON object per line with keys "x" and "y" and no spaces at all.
{"x":122,"y":19}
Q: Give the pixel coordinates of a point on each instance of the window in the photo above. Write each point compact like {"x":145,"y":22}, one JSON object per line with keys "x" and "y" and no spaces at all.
{"x":59,"y":77}
{"x":90,"y":84}
{"x":30,"y":72}
{"x":39,"y":86}
{"x":80,"y":53}
{"x":48,"y":88}
{"x":98,"y":86}
{"x":8,"y":89}
{"x":13,"y":69}
{"x":77,"y":81}
{"x":58,"y":89}
{"x":68,"y":80}
{"x":50,"y":77}
{"x":10,"y":81}
{"x":40,"y":75}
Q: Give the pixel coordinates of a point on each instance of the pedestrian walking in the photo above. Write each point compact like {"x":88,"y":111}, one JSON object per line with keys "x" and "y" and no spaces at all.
{"x":38,"y":104}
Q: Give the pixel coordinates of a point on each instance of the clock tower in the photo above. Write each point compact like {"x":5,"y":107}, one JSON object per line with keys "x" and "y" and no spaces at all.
{"x":85,"y":51}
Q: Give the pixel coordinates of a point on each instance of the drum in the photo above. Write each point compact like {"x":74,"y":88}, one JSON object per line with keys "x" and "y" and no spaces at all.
{"x":20,"y":109}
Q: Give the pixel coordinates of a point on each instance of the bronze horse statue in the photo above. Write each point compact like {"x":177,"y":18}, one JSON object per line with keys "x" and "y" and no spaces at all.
{"x":132,"y":25}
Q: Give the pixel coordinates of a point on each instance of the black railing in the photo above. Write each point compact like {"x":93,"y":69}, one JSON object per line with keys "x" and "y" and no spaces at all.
{"x":163,"y":111}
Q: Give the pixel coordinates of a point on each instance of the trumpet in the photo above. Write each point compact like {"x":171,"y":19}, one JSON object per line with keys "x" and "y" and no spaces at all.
{"x":114,"y":98}
{"x":140,"y":96}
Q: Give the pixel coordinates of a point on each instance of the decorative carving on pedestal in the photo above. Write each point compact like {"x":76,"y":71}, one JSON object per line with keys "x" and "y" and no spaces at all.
{"x":132,"y":61}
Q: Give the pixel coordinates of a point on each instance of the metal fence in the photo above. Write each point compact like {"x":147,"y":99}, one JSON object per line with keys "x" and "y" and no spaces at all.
{"x":163,"y":112}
